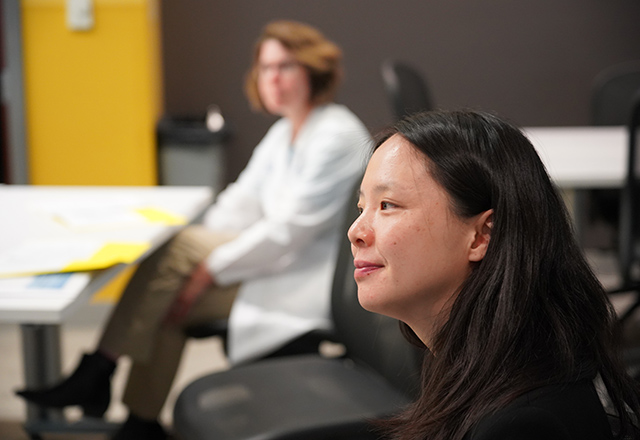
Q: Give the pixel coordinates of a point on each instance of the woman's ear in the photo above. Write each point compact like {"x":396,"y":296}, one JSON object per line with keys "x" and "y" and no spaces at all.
{"x":483,"y":225}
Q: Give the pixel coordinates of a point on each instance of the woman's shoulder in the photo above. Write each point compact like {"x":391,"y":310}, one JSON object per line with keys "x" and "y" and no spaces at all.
{"x":333,"y":131}
{"x":336,"y":115}
{"x":563,"y":412}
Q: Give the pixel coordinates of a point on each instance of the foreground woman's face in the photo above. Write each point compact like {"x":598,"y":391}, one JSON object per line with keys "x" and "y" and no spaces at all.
{"x":411,"y":251}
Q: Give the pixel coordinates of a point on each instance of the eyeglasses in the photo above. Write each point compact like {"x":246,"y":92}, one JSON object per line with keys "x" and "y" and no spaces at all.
{"x":284,"y":68}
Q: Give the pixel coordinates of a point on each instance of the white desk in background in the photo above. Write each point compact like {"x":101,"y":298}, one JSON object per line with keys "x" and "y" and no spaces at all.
{"x":582,"y":157}
{"x":41,"y":310}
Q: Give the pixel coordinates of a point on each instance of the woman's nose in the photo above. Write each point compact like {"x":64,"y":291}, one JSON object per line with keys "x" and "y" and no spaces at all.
{"x":359,"y":233}
{"x":273,"y":76}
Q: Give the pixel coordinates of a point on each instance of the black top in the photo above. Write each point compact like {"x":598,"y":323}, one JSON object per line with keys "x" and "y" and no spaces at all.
{"x":558,"y":412}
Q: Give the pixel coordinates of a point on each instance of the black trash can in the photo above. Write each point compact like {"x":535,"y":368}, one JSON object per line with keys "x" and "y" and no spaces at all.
{"x":189,"y":153}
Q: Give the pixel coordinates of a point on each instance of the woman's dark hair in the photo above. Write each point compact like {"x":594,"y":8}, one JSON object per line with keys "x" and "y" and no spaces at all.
{"x":319,"y":56}
{"x":531,"y":313}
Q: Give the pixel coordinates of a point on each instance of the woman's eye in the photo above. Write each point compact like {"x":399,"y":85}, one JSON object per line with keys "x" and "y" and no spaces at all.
{"x":385,"y":205}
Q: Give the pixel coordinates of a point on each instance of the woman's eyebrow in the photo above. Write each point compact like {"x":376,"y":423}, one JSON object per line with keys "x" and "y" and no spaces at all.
{"x":378,"y":188}
{"x":382,"y":187}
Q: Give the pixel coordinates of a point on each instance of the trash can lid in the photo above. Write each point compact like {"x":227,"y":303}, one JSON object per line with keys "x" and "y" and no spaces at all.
{"x":188,"y":130}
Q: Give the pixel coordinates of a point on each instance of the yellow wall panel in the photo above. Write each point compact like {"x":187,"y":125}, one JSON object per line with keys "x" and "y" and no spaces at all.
{"x":92,"y":97}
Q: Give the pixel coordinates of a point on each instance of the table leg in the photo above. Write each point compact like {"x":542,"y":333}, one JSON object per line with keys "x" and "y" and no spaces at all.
{"x":41,"y":356}
{"x":576,"y":202}
{"x":581,"y":214}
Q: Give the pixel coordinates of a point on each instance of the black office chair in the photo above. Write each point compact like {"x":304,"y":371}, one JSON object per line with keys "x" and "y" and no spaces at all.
{"x":310,"y":397}
{"x":407,"y":90}
{"x":611,"y":103}
{"x":629,"y":246}
{"x":613,"y":90}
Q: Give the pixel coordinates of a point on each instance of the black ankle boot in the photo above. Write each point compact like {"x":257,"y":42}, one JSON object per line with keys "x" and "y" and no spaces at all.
{"x":89,"y":387}
{"x":136,"y":428}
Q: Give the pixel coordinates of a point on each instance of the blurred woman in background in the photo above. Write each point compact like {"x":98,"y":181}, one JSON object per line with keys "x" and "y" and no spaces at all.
{"x":265,"y":255}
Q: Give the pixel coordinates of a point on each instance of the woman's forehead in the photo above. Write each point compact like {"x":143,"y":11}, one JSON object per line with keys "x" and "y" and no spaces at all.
{"x":396,"y":164}
{"x":398,"y":153}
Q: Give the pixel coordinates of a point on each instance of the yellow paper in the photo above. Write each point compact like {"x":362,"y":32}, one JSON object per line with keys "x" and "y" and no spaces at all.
{"x":155,"y":215}
{"x":109,"y":255}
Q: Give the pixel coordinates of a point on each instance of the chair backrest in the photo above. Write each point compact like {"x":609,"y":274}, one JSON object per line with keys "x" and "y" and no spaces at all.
{"x":630,"y":202}
{"x":406,"y":88}
{"x":613,"y":91}
{"x":370,"y":339}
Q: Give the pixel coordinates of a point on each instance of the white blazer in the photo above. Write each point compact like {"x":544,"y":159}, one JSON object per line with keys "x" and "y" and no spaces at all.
{"x":287,"y":207}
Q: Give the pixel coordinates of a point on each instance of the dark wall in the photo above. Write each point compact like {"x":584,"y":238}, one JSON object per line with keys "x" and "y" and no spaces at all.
{"x":532,"y":62}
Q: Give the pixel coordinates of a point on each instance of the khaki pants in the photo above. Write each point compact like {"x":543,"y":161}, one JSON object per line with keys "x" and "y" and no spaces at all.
{"x":137,"y":329}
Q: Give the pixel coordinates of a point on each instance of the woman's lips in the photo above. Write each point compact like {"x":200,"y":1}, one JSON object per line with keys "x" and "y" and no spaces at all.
{"x":364,"y":268}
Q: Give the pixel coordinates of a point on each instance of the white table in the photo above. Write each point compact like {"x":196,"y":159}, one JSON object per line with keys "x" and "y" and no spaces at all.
{"x":40,"y":312}
{"x":582,"y":157}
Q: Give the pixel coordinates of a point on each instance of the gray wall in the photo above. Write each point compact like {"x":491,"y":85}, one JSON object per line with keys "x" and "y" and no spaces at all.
{"x":530,"y":61}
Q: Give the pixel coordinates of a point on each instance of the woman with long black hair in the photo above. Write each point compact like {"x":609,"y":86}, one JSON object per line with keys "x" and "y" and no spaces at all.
{"x":463,"y":238}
